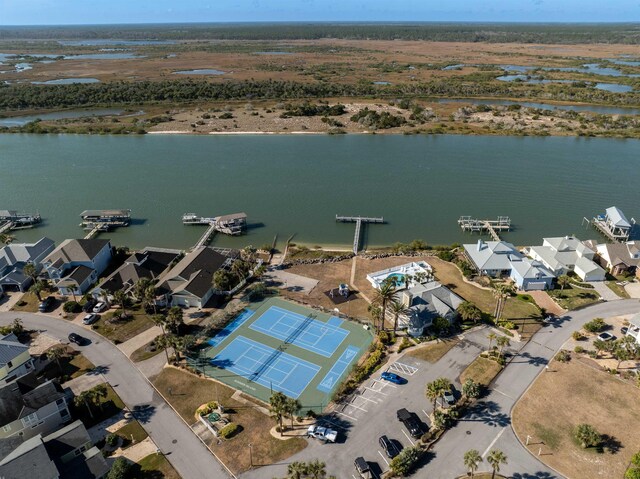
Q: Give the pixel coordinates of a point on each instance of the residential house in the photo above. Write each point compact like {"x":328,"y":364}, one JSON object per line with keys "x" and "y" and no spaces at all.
{"x":492,"y":258}
{"x":67,"y":453}
{"x":76,"y":264}
{"x":614,"y":224}
{"x":190,"y":282}
{"x":530,"y":275}
{"x":29,"y":406}
{"x":619,"y":258}
{"x":15,"y":360}
{"x":424,"y":303}
{"x":150,"y":263}
{"x":15,"y":256}
{"x":564,"y":254}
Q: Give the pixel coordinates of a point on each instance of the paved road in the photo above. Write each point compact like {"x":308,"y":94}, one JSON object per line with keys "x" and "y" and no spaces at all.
{"x":184,"y":450}
{"x":490,"y":427}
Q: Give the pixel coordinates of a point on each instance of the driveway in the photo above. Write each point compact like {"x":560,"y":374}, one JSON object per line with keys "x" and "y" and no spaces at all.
{"x":604,"y":291}
{"x":174,"y":438}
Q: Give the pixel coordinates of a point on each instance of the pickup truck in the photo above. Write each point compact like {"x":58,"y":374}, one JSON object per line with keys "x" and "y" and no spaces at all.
{"x":323,"y":433}
{"x":410,"y":421}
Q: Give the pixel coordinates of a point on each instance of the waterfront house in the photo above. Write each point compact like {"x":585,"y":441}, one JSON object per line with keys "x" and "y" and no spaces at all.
{"x":614,"y":224}
{"x":190,"y":282}
{"x":15,"y":256}
{"x":530,"y":275}
{"x":64,"y":454}
{"x":15,"y":360}
{"x":619,"y":258}
{"x":416,"y":272}
{"x":150,"y":263}
{"x":76,"y":264}
{"x":424,"y":303}
{"x":30,"y":406}
{"x":492,"y":258}
{"x":567,"y":253}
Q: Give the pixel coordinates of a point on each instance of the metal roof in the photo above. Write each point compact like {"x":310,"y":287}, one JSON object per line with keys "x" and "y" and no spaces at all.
{"x":617,"y":217}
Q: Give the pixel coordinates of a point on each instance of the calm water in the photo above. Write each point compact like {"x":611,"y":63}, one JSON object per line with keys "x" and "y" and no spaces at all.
{"x":66,"y":81}
{"x":296,"y":184}
{"x":57,"y":115}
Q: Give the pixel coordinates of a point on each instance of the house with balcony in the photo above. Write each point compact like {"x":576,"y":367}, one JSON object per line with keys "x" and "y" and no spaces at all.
{"x":76,"y":264}
{"x":492,"y":258}
{"x":567,"y":253}
{"x":15,"y":256}
{"x":30,"y":406}
{"x":424,"y":303}
{"x":15,"y":360}
{"x":67,"y":453}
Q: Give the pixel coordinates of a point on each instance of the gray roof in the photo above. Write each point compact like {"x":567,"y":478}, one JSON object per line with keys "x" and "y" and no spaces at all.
{"x":26,"y":252}
{"x":104,"y":213}
{"x":25,"y":395}
{"x":431,"y":300}
{"x":67,"y":439}
{"x":10,"y":348}
{"x":79,"y":274}
{"x":29,"y":460}
{"x":617,"y":217}
{"x":148,"y":264}
{"x":622,"y":253}
{"x":76,"y":250}
{"x":529,"y":269}
{"x":492,"y":255}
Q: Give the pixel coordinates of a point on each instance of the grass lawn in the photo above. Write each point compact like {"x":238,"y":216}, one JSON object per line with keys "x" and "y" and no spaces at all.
{"x":572,"y":298}
{"x":616,"y":288}
{"x":578,"y":393}
{"x":30,"y":301}
{"x":189,"y":392}
{"x":481,"y":370}
{"x":132,"y":429}
{"x":142,"y":353}
{"x":451,"y":277}
{"x":434,"y":351}
{"x":121,"y":330}
{"x":72,"y":365}
{"x":110,"y":405}
{"x":155,"y":466}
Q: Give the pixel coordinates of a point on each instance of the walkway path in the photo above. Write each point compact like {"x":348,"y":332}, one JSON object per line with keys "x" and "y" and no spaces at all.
{"x":604,"y":291}
{"x":183,"y":449}
{"x":135,"y":343}
{"x":83,"y":383}
{"x":545,"y":301}
{"x":138,"y":451}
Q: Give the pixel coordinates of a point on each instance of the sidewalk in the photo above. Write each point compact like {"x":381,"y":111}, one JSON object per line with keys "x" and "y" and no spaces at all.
{"x":137,"y":452}
{"x":112,"y":424}
{"x":604,"y":291}
{"x":83,"y":383}
{"x":131,"y":345}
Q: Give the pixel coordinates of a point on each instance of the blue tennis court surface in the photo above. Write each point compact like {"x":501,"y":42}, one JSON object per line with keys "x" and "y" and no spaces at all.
{"x":338,"y":369}
{"x":302,"y":331}
{"x":231,"y":327}
{"x":266,"y":366}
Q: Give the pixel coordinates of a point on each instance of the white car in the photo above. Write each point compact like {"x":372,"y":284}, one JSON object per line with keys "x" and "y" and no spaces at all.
{"x":90,"y":319}
{"x":100,"y":307}
{"x":449,"y":398}
{"x":323,"y":433}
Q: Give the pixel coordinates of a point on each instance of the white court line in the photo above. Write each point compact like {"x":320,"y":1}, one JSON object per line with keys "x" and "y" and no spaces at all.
{"x":375,"y":391}
{"x":383,"y":458}
{"x":493,"y":442}
{"x":407,"y":436}
{"x":346,"y":415}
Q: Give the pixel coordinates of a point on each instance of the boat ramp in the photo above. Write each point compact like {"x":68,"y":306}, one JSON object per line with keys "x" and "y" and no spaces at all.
{"x":492,"y":227}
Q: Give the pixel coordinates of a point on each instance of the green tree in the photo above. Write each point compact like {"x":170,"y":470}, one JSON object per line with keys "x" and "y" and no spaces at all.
{"x":31,"y":271}
{"x":86,"y":398}
{"x":502,"y":342}
{"x":222,"y":280}
{"x":278,"y":406}
{"x":491,"y":337}
{"x":472,"y":460}
{"x":382,"y":296}
{"x":120,"y":297}
{"x":292,"y":406}
{"x":469,"y":312}
{"x":159,"y":320}
{"x":37,"y":288}
{"x":621,"y":353}
{"x":599,"y":345}
{"x":471,"y":389}
{"x":564,"y":281}
{"x":175,"y":320}
{"x":120,"y":469}
{"x":403,"y":463}
{"x":140,"y":287}
{"x":632,"y":473}
{"x":495,"y":459}
{"x":376,"y":314}
{"x":55,"y":354}
{"x":587,"y":435}
{"x":397,"y":308}
{"x":436,"y":389}
{"x":181,"y":345}
{"x":296,"y":470}
{"x":316,"y":469}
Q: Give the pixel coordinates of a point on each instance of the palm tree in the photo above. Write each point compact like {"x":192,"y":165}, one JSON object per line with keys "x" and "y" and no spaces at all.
{"x":397,"y":308}
{"x":491,"y":337}
{"x":444,"y":385}
{"x":469,"y":311}
{"x":382,"y":296}
{"x":407,"y":280}
{"x":175,"y":321}
{"x":435,"y":390}
{"x":472,"y":460}
{"x":86,"y":398}
{"x":120,"y":297}
{"x":292,"y":406}
{"x":149,"y":298}
{"x":296,"y":470}
{"x":181,"y":344}
{"x":502,"y":342}
{"x":100,"y":392}
{"x":277,"y":403}
{"x":31,"y":271}
{"x":159,"y":320}
{"x":140,"y":287}
{"x":495,"y":458}
{"x":316,"y":469}
{"x":55,"y":354}
{"x":501,"y":292}
{"x":563,"y":281}
{"x":376,"y":314}
{"x":37,"y":288}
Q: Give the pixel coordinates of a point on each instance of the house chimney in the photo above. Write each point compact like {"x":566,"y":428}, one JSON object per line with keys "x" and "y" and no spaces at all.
{"x":480,"y":245}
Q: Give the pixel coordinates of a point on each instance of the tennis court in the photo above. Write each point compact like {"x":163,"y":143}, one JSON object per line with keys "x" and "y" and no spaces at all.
{"x":277,"y":345}
{"x":303,"y":331}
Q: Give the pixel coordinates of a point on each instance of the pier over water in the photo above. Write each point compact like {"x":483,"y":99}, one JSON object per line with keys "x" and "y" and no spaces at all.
{"x":358,"y":220}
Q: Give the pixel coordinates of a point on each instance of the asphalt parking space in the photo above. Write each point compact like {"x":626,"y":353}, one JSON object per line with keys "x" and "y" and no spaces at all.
{"x":367,"y":398}
{"x":403,"y":369}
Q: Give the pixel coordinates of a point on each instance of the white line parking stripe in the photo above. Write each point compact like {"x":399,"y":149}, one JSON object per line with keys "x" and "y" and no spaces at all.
{"x":375,"y":391}
{"x":425,"y":413}
{"x":493,"y":442}
{"x":407,"y":436}
{"x":383,"y":458}
{"x":357,"y":407}
{"x":346,"y":415}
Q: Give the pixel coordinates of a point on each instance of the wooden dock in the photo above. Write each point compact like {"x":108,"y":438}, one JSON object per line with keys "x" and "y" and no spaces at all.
{"x":207,"y":236}
{"x":358,"y":220}
{"x":492,"y":227}
{"x":232,"y":225}
{"x":12,"y":220}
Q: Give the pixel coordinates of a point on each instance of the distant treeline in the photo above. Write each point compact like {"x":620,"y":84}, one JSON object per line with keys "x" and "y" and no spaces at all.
{"x":17,"y":97}
{"x":628,"y":33}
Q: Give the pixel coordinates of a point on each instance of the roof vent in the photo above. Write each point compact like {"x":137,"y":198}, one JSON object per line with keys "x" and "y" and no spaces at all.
{"x":480,"y":245}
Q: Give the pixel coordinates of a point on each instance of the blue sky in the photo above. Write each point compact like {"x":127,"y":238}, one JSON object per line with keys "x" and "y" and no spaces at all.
{"x":39,"y":12}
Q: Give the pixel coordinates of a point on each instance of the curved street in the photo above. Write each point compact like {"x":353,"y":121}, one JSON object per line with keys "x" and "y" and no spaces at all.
{"x":183,"y":449}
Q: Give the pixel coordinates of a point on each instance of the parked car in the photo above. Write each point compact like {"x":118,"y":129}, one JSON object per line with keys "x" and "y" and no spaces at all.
{"x":393,"y":377}
{"x":88,"y":306}
{"x":449,"y":398}
{"x":90,"y":318}
{"x":606,"y":336}
{"x":46,"y":304}
{"x":76,"y":338}
{"x":624,"y":330}
{"x":410,"y":421}
{"x":389,"y":447}
{"x":363,"y":468}
{"x":99,"y":307}
{"x":323,"y":433}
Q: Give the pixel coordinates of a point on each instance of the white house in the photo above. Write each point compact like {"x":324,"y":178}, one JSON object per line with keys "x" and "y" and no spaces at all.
{"x":530,"y":275}
{"x":492,"y":258}
{"x":568,"y":253}
{"x":77,"y":263}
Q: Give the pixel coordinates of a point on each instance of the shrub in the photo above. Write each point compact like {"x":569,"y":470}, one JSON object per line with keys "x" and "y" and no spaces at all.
{"x":72,"y":307}
{"x":403,"y":463}
{"x":120,"y":469}
{"x":311,"y":414}
{"x":578,"y":336}
{"x":508,"y":325}
{"x":445,"y":255}
{"x":579,"y":349}
{"x":230,"y":430}
{"x":595,"y":325}
{"x":404,"y":344}
{"x":384,"y":337}
{"x":563,"y":356}
{"x":471,"y":389}
{"x":587,"y":435}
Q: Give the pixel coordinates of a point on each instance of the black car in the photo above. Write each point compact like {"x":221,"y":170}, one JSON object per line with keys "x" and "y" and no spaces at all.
{"x":46,"y":304}
{"x":88,"y":306}
{"x":363,"y":468}
{"x":390,"y":448}
{"x":76,"y":338}
{"x":410,"y":421}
